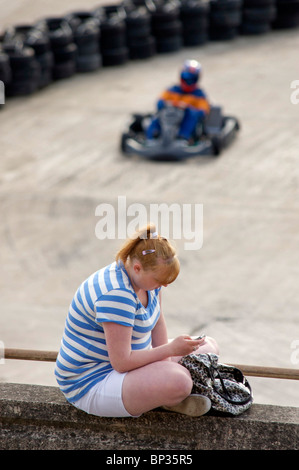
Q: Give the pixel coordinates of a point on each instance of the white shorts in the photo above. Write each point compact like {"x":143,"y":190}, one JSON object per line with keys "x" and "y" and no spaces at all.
{"x":105,"y":398}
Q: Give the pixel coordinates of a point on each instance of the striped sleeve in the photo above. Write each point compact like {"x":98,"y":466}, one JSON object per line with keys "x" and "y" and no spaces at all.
{"x":117,"y":305}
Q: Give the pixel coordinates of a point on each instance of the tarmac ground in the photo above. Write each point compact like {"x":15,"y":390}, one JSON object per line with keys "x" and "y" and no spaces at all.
{"x":61,"y":159}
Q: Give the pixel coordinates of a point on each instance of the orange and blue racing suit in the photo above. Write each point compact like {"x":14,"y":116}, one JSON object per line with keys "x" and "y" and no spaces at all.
{"x":196,"y":108}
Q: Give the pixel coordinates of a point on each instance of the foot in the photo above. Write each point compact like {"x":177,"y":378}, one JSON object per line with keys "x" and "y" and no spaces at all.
{"x":194,"y":405}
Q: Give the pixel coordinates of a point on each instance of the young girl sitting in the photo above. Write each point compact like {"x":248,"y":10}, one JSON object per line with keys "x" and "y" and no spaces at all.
{"x":115,"y":358}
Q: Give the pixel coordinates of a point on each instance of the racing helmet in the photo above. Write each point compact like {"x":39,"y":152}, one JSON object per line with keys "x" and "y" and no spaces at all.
{"x":190,"y":75}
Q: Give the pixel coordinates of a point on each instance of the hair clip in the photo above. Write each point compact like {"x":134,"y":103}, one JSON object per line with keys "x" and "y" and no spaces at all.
{"x":147,"y":252}
{"x":154,"y":235}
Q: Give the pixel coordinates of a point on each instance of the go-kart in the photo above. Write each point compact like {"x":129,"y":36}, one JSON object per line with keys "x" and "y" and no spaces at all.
{"x":210,"y":137}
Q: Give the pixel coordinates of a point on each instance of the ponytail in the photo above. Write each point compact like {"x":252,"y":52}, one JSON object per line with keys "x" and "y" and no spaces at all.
{"x":151,"y":250}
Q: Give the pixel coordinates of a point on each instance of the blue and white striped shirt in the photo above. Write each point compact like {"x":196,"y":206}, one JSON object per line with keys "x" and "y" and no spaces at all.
{"x":105,"y":296}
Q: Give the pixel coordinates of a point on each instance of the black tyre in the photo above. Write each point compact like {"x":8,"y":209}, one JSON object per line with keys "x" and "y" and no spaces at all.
{"x":88,"y":63}
{"x":115,"y":56}
{"x":46,"y":78}
{"x":195,"y":22}
{"x":113,"y":40}
{"x":46,"y":62}
{"x":225,"y":5}
{"x":19,"y":57}
{"x":251,"y":28}
{"x":86,"y":30}
{"x":5,"y":70}
{"x":65,"y":54}
{"x":230,"y":19}
{"x":30,"y":72}
{"x":64,"y":70}
{"x":225,"y":19}
{"x":223,"y":33}
{"x":195,"y":38}
{"x":89,"y":49}
{"x":58,"y":31}
{"x":140,"y":42}
{"x":171,"y":44}
{"x":168,"y":29}
{"x":63,"y":48}
{"x":142,"y":48}
{"x":123,"y":142}
{"x":191,"y":8}
{"x":287,"y":14}
{"x":21,"y":88}
{"x":259,"y":15}
{"x":258,"y":3}
{"x":194,"y":16}
{"x":258,"y":18}
{"x":32,"y":37}
{"x":217,"y":146}
{"x":165,"y":13}
{"x":25,"y":70}
{"x":285,"y":22}
{"x":113,"y":34}
{"x":138,"y":24}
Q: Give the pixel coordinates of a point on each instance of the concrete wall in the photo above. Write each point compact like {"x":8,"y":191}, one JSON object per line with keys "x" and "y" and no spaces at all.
{"x":38,"y":417}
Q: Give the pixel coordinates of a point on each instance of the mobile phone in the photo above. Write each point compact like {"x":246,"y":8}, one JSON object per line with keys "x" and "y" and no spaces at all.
{"x":201,"y":337}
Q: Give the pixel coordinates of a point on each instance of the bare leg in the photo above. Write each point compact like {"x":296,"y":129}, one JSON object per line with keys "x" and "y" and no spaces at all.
{"x":209,"y":346}
{"x":157,"y":384}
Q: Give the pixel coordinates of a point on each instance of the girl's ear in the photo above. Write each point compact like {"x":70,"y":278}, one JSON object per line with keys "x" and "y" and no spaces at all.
{"x":137,"y":267}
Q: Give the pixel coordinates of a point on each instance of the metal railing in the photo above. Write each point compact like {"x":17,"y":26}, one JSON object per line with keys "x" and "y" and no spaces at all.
{"x":254,"y":371}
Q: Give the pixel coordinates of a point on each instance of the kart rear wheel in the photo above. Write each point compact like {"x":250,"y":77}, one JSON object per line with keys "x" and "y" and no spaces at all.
{"x":217,"y":146}
{"x":123,"y":142}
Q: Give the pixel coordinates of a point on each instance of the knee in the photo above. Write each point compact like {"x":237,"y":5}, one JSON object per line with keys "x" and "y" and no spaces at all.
{"x":179,"y":384}
{"x":185,"y":385}
{"x":213,"y":345}
{"x":209,"y":346}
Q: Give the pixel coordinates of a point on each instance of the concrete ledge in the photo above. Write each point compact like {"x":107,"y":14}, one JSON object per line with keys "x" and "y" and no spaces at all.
{"x":37,"y":417}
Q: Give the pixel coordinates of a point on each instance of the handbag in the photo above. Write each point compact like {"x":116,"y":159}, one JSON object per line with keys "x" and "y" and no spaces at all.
{"x":225,"y":385}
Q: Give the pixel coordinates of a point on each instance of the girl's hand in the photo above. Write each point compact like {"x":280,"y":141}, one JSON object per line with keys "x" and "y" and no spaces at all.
{"x":184,"y":344}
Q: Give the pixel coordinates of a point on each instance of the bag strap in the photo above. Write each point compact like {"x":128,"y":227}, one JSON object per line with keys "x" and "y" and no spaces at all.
{"x":227,"y":396}
{"x":215,"y":373}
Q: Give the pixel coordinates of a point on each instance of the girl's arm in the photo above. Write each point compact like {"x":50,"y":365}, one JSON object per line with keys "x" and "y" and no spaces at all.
{"x":123,"y":359}
{"x":159,"y":333}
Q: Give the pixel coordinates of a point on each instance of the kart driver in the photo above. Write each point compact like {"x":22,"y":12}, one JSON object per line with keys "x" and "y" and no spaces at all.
{"x":186,"y":95}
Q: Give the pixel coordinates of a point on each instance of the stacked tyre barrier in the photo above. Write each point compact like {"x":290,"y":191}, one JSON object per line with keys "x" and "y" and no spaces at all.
{"x":287,"y":14}
{"x":32,"y":38}
{"x":24,"y":73}
{"x":113,"y":42}
{"x":30,"y":60}
{"x":140,"y":40}
{"x":167,"y":27}
{"x":86,"y":37}
{"x":225,"y":19}
{"x":33,"y":56}
{"x":195,"y":18}
{"x":63,"y":48}
{"x":258,"y":16}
